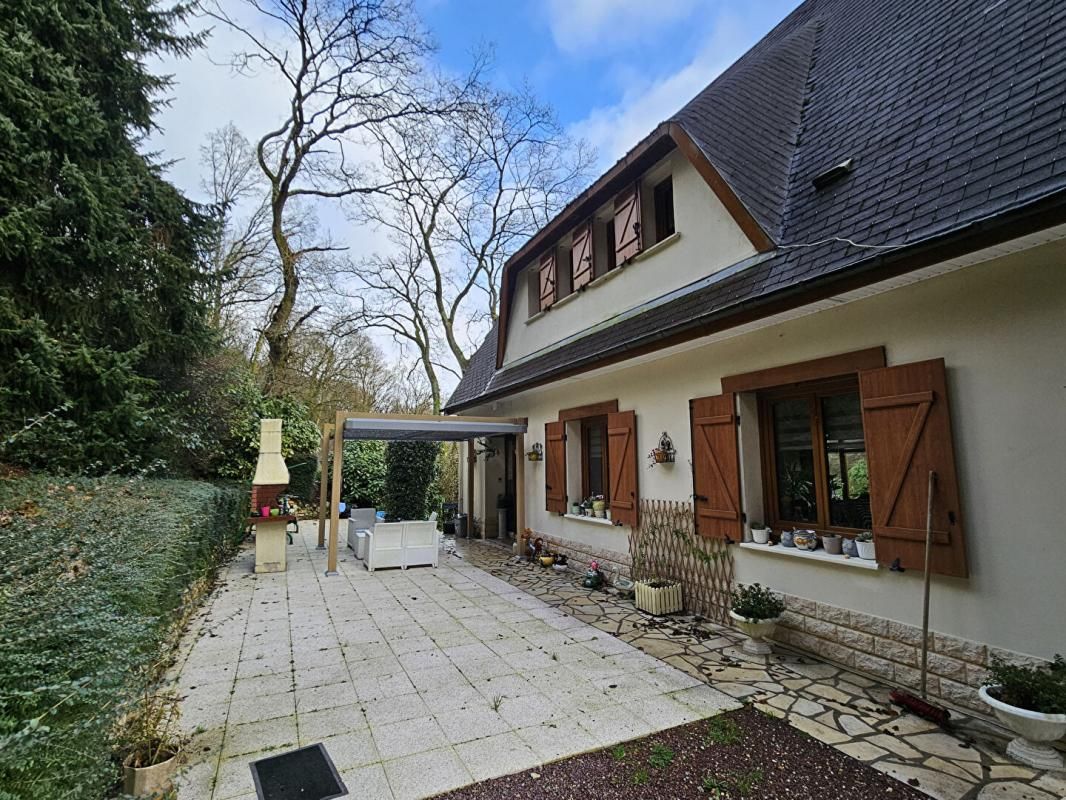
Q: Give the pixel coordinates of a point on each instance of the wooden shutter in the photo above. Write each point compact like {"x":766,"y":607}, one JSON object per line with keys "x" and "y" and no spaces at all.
{"x":547,"y":280}
{"x":555,"y":467}
{"x":627,"y":240}
{"x":716,"y":468}
{"x":581,"y":256}
{"x":622,"y":467}
{"x":907,"y":425}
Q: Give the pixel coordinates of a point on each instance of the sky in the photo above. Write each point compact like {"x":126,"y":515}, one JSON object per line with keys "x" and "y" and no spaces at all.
{"x":612,"y":69}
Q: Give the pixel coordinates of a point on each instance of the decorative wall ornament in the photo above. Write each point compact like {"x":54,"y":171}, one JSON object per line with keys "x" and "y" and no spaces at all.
{"x":536,"y":452}
{"x":664,"y":453}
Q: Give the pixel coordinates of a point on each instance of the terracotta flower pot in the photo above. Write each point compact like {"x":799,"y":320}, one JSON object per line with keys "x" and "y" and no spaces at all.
{"x":1033,"y":729}
{"x":146,"y":781}
{"x":833,"y":544}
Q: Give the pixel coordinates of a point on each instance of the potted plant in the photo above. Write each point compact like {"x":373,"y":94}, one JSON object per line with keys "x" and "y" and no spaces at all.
{"x":658,"y":596}
{"x":760,"y":534}
{"x":756,"y":611}
{"x":151,"y":734}
{"x":654,"y":594}
{"x":832,"y":543}
{"x":1031,"y":702}
{"x":864,"y":542}
{"x":575,"y":509}
{"x":599,"y":505}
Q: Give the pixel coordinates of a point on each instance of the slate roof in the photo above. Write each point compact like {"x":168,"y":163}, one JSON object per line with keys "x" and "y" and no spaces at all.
{"x":953,"y":112}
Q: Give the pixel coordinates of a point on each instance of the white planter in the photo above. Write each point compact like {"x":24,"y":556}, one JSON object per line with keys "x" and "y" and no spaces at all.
{"x":148,"y":781}
{"x":1032,"y":728}
{"x":867,"y":550}
{"x":658,"y":600}
{"x":760,"y":535}
{"x":756,"y":630}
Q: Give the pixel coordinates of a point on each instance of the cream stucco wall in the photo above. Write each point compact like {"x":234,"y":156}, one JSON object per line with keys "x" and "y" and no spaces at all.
{"x":709,"y":241}
{"x":1001,"y":328}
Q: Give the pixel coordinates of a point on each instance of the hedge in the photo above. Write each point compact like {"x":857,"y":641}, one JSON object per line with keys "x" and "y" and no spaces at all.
{"x":410,"y":475}
{"x":94,"y":573}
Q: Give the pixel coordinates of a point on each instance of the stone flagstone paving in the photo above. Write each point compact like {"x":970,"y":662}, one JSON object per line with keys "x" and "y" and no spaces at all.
{"x":416,"y":681}
{"x":832,"y":704}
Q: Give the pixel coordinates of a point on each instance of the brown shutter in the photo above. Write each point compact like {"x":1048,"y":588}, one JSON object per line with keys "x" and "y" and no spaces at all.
{"x":622,"y":467}
{"x":716,"y":467}
{"x":627,"y":239}
{"x":547,"y":280}
{"x":555,"y":467}
{"x":581,"y":256}
{"x":907,"y":424}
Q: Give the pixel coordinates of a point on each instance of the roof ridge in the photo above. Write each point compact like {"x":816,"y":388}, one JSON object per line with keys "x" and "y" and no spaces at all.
{"x":818,"y":24}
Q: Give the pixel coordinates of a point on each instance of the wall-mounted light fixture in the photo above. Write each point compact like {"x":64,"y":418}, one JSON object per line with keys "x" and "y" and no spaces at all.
{"x":536,"y":452}
{"x":485,"y":449}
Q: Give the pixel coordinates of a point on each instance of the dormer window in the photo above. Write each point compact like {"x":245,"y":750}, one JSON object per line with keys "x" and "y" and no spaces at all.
{"x":663,"y":196}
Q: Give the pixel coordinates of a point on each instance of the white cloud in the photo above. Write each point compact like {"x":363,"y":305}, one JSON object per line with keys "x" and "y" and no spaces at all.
{"x":599,"y":26}
{"x":614,"y":129}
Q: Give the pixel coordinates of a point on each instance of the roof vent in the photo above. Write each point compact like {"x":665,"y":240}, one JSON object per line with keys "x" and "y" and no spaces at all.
{"x":833,"y":174}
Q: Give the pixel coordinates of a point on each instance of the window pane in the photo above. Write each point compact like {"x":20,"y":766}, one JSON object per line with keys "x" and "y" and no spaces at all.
{"x":845,"y":457}
{"x":794,"y":460}
{"x":594,"y":441}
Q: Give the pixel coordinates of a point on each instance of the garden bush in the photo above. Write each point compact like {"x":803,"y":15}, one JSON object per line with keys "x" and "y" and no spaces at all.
{"x":363,"y":474}
{"x":410,"y":474}
{"x":93,"y":573}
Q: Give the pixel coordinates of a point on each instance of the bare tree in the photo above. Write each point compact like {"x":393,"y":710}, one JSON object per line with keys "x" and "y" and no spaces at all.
{"x":396,"y":298}
{"x":241,"y":255}
{"x":348,"y":65}
{"x":460,"y":194}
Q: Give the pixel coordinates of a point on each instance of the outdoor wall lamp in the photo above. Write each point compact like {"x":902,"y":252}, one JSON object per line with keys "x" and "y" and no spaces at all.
{"x":486,"y":450}
{"x":536,"y":453}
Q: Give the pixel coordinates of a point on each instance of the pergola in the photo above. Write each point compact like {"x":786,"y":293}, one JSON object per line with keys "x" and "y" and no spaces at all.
{"x":411,"y":427}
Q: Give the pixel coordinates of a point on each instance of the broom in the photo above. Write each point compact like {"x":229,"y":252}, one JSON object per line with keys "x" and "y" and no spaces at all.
{"x":921,"y":705}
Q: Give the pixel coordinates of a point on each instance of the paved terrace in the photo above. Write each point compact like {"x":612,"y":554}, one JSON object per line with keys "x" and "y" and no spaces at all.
{"x":416,"y":681}
{"x":846,"y":710}
{"x":397,"y":673}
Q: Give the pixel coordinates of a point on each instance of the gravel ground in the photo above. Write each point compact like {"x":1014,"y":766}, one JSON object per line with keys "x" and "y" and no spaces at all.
{"x":743,"y":754}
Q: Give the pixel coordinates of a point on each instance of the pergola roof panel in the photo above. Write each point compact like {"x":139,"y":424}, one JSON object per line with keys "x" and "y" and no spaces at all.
{"x":427,"y":429}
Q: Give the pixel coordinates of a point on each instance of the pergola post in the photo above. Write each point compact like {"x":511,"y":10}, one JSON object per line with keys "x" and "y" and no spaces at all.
{"x":471,"y":464}
{"x":519,"y":485}
{"x":334,"y":501}
{"x":323,"y":476}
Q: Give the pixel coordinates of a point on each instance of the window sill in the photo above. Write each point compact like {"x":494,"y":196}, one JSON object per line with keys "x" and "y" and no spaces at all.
{"x":811,"y":555}
{"x":658,"y":247}
{"x":591,"y":520}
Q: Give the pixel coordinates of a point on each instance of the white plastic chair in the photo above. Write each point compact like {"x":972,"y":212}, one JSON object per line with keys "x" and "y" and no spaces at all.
{"x":362,"y":519}
{"x":385,"y":546}
{"x":420,"y":544}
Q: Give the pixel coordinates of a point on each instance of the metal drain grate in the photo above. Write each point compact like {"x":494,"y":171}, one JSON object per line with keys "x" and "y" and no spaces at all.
{"x":304,"y":774}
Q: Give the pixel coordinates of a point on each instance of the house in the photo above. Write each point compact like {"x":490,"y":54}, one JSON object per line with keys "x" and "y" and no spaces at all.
{"x":839,"y":268}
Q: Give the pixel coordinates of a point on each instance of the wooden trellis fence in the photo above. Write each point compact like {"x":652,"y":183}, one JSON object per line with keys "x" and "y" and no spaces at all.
{"x":665,"y":545}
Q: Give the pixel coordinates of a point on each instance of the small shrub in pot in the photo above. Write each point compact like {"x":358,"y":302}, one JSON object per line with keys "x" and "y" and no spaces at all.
{"x":755,"y":610}
{"x":864,"y":543}
{"x":760,"y":534}
{"x":1031,"y":701}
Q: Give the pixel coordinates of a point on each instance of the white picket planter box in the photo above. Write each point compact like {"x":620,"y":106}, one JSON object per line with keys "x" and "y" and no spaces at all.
{"x":658,"y":601}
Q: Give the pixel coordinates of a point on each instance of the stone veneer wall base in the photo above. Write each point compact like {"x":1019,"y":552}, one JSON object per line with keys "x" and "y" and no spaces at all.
{"x":890,"y":651}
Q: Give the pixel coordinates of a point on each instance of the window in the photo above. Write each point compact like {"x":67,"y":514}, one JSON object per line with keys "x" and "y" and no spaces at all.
{"x":815,"y":456}
{"x":594,"y":457}
{"x":663,"y":196}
